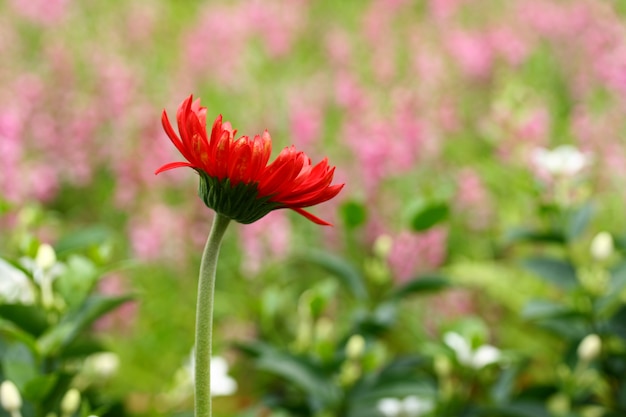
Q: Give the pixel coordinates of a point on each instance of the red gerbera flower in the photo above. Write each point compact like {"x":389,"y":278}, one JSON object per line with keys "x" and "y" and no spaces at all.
{"x":235,"y":179}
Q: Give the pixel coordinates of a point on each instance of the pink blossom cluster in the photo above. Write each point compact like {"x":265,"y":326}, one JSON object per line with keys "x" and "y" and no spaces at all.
{"x":388,"y":91}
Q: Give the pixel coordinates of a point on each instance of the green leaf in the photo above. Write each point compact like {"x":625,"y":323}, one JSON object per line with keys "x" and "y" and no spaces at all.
{"x":353,"y":213}
{"x":29,"y":318}
{"x":299,"y":371}
{"x":11,"y":331}
{"x":19,"y":364}
{"x":533,"y":236}
{"x":38,"y":388}
{"x":579,"y":220}
{"x":421,"y":285}
{"x":85,"y":238}
{"x":502,"y":390}
{"x":542,"y":309}
{"x":54,"y":340}
{"x":617,"y":323}
{"x":77,"y":281}
{"x":429,"y":215}
{"x":612,"y":298}
{"x":518,"y":409}
{"x":348,"y":275}
{"x":555,"y":271}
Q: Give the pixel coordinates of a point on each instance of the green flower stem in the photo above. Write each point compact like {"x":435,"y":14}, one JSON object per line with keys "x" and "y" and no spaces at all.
{"x":204,"y":316}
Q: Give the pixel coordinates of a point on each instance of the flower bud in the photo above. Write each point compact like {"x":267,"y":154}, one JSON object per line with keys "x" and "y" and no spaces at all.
{"x":70,"y":402}
{"x":382,"y":246}
{"x":10,"y":397}
{"x":602,"y":246}
{"x":389,"y":407}
{"x":559,"y":404}
{"x":46,"y":257}
{"x":590,"y":348}
{"x":355,"y":347}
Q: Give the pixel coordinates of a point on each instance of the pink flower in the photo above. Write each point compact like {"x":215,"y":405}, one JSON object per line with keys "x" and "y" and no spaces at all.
{"x":417,"y":252}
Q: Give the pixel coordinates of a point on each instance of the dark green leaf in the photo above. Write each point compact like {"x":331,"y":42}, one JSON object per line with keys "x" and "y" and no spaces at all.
{"x":348,"y":275}
{"x":617,"y":324}
{"x":533,"y":236}
{"x":54,"y":340}
{"x":353,"y":213}
{"x":11,"y":331}
{"x":429,"y":215}
{"x":519,"y":409}
{"x":29,"y":318}
{"x":421,"y":285}
{"x":38,"y":388}
{"x":298,"y":371}
{"x":555,"y":271}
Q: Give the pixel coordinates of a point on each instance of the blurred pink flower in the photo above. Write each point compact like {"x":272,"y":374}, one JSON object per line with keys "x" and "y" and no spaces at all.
{"x":444,"y":9}
{"x":156,"y":234}
{"x":511,"y":44}
{"x":121,"y":318}
{"x":266,"y":239}
{"x":222,"y":32}
{"x":45,"y":12}
{"x":472,"y":52}
{"x":277,"y":23}
{"x":473,"y":199}
{"x":412,"y":253}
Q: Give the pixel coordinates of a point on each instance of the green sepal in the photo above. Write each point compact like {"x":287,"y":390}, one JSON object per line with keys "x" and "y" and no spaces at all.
{"x":240,"y":203}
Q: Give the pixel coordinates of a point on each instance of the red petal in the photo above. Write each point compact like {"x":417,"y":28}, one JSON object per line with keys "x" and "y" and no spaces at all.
{"x":172,"y":165}
{"x":311,"y":217}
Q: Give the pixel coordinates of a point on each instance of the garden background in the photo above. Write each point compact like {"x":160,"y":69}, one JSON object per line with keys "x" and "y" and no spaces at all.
{"x":475,"y":267}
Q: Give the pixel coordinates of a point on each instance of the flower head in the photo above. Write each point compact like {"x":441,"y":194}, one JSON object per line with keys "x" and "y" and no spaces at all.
{"x":235,"y":178}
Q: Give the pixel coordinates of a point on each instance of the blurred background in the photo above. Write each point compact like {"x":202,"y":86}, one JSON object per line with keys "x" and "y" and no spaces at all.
{"x":476,"y":263}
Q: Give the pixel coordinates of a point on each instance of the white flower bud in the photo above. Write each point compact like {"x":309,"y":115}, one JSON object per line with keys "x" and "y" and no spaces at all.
{"x":602,"y":246}
{"x":590,"y":348}
{"x":10,"y":397}
{"x":389,"y":407}
{"x":70,"y":402}
{"x":355,"y":347}
{"x":46,"y":257}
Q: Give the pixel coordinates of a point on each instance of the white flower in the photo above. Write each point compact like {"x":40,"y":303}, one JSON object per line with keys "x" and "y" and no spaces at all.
{"x":415,"y":406}
{"x":565,"y":160}
{"x":221,"y":383}
{"x":602,"y":246}
{"x":390,"y":407}
{"x":102,"y":365}
{"x":412,"y":406}
{"x":14,"y":285}
{"x":479,"y":358}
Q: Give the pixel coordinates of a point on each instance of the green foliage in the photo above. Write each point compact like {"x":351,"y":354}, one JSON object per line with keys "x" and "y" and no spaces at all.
{"x":46,"y":321}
